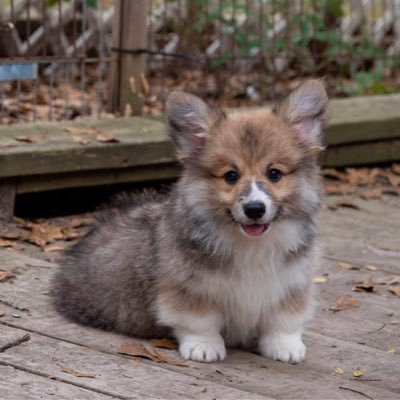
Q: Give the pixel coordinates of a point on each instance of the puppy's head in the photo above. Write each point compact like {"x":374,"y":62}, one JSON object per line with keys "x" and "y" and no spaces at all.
{"x":251,"y":169}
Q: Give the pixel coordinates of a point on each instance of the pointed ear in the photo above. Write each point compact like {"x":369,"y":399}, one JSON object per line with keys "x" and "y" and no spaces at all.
{"x":306,"y":110}
{"x":189,"y":121}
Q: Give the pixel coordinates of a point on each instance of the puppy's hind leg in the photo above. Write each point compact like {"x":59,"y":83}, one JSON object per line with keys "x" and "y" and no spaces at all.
{"x":198,"y":332}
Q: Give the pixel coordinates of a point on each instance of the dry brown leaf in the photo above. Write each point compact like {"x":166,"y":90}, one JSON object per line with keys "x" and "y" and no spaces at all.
{"x":375,"y":193}
{"x":139,"y":350}
{"x":387,"y":280}
{"x":395,"y":290}
{"x":31,"y":138}
{"x":6,"y":275}
{"x":347,"y":204}
{"x":396,"y":168}
{"x":371,"y":268}
{"x":344,"y":303}
{"x":6,"y":243}
{"x":106,"y":138}
{"x":338,"y":188}
{"x":339,"y":370}
{"x":319,"y":279}
{"x":164,"y":343}
{"x":81,"y":140}
{"x":357,"y":373}
{"x":51,"y":248}
{"x":164,"y":359}
{"x":11,"y":235}
{"x":335,"y":174}
{"x":136,"y":350}
{"x":78,"y":222}
{"x":366,"y":286}
{"x":346,"y":265}
{"x":394,"y":322}
{"x":43,"y":233}
{"x":76,"y":373}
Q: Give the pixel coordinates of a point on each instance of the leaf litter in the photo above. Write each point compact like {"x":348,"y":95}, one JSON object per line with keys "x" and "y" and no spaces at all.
{"x":344,"y":303}
{"x":150,"y":353}
{"x":6,"y":276}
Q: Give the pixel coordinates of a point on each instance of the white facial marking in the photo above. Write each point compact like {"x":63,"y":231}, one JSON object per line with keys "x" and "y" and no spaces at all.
{"x":258,"y":195}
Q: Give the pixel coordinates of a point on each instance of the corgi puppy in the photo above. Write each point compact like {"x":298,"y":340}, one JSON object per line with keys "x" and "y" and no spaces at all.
{"x":227,"y":257}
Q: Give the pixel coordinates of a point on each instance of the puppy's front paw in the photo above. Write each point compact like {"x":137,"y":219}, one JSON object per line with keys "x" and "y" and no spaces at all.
{"x":283,"y":347}
{"x":202,"y":348}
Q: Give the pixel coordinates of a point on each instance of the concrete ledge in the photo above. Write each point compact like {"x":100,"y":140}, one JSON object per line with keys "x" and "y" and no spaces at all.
{"x":364,"y":130}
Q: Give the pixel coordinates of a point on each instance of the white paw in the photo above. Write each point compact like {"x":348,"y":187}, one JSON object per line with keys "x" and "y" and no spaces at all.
{"x":202,"y":348}
{"x":283,"y":347}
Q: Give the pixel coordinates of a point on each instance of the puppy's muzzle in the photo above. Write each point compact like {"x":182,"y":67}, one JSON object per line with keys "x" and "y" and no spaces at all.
{"x":254,"y":210}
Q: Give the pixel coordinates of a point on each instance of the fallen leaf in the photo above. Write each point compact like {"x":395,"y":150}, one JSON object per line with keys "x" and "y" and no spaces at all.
{"x":139,"y":350}
{"x":51,"y":248}
{"x":6,"y":243}
{"x":346,"y":265}
{"x":347,"y":204}
{"x":31,"y":138}
{"x":43,"y":233}
{"x":136,"y":350}
{"x":339,"y":370}
{"x":334,"y":173}
{"x":81,"y":140}
{"x":392,"y":351}
{"x":106,"y":138}
{"x":164,"y":343}
{"x":371,"y":268}
{"x":10,"y":235}
{"x":357,"y":373}
{"x":78,"y":222}
{"x":395,"y":290}
{"x":366,"y":286}
{"x":5,"y":276}
{"x":344,"y":303}
{"x":319,"y":279}
{"x":76,"y":373}
{"x":387,"y":280}
{"x":375,"y":193}
{"x":164,"y":359}
{"x":394,"y":322}
{"x":396,"y":168}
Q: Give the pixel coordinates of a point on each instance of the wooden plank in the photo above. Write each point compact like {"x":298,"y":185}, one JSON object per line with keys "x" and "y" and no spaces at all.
{"x":241,"y":370}
{"x":146,"y":173}
{"x":16,"y":384}
{"x":141,"y":142}
{"x":8,"y":191}
{"x":112,"y":374}
{"x":362,"y":154}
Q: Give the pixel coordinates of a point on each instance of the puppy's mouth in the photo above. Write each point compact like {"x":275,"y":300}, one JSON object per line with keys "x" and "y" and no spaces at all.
{"x":254,"y":229}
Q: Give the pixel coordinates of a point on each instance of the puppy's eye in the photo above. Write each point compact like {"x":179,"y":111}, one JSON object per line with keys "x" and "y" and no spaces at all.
{"x":274,"y":175}
{"x":231,"y":177}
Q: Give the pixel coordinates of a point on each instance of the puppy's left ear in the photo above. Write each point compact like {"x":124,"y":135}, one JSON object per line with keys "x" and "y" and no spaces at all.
{"x":189,"y":120}
{"x":306,"y":110}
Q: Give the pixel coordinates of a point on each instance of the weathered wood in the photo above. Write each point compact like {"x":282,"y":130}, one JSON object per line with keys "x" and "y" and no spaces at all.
{"x":37,"y":183}
{"x":126,"y":378}
{"x":127,"y":69}
{"x":362,"y":154}
{"x":16,"y":384}
{"x":241,"y":370}
{"x":8,"y":191}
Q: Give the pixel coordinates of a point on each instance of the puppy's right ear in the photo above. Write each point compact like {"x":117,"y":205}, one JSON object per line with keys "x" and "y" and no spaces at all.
{"x":188,"y":120}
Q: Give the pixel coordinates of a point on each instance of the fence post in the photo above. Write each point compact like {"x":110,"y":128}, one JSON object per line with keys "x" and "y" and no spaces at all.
{"x":127,"y":70}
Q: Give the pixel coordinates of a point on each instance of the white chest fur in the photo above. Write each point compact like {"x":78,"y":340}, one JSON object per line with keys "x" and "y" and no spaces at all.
{"x":257,"y":282}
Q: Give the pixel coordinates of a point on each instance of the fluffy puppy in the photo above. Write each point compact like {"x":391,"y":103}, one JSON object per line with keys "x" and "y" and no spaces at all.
{"x":227,"y":257}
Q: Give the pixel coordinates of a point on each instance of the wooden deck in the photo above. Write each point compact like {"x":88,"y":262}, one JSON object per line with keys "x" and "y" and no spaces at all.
{"x":366,"y":337}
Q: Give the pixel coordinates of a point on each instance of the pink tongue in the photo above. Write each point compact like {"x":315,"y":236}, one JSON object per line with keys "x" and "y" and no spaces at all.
{"x":254,"y":229}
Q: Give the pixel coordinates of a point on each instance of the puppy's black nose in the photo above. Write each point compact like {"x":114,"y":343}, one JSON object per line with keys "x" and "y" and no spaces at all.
{"x":254,"y":210}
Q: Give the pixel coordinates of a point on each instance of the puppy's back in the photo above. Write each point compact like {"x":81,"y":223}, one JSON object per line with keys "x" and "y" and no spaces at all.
{"x":108,"y":279}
